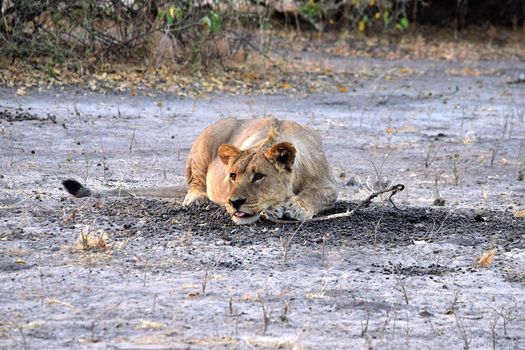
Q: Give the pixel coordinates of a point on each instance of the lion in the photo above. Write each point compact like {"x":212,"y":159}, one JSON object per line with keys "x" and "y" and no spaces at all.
{"x":260,"y":167}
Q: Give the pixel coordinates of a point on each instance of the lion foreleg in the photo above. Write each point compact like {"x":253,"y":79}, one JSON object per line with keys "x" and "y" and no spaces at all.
{"x":305,"y":205}
{"x":196,"y":176}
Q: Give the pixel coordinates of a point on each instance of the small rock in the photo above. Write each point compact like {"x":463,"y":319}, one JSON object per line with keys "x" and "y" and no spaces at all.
{"x":479,"y":218}
{"x":425,"y":313}
{"x":352,"y":182}
{"x":439,"y":202}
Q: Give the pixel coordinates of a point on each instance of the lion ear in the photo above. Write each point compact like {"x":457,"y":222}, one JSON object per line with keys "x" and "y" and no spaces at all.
{"x":282,"y":153}
{"x":226,"y":152}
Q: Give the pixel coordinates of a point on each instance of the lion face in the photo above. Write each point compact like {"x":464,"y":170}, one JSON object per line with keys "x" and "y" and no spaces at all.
{"x":257,"y":179}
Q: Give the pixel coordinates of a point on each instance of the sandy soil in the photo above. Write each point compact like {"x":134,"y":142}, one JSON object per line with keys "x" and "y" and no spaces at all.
{"x":163,"y":277}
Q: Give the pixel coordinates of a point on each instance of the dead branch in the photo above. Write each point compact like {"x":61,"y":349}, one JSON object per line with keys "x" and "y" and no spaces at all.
{"x":349,"y":213}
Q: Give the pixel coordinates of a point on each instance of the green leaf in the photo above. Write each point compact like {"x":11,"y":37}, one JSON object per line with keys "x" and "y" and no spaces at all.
{"x":206,"y":22}
{"x":169,"y":18}
{"x":311,"y":10}
{"x":403,"y":22}
{"x":215,"y":22}
{"x":386,"y":17}
{"x":160,"y":15}
{"x":179,"y":13}
{"x":211,"y":22}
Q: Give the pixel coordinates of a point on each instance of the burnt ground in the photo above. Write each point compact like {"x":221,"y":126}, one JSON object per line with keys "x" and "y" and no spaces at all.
{"x":145,"y":273}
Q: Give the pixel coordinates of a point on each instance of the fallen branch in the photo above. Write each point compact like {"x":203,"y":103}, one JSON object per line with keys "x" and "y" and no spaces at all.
{"x":349,"y":213}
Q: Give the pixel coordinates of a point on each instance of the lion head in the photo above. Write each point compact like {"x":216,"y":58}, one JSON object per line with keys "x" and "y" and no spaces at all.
{"x":257,"y":179}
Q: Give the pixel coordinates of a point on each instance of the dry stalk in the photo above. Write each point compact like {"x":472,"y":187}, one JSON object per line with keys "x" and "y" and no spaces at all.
{"x":132,"y":142}
{"x":437,"y":184}
{"x":265,"y":313}
{"x":286,"y":309}
{"x":457,"y":174}
{"x":285,"y":241}
{"x":436,"y":231}
{"x":493,"y":326}
{"x":154,"y":304}
{"x":376,"y":229}
{"x":364,"y":324}
{"x":101,"y":316}
{"x":402,"y":286}
{"x":506,"y":316}
{"x":77,"y":112}
{"x":20,"y":328}
{"x":42,"y":287}
{"x":462,"y":332}
{"x":205,"y":282}
{"x":379,"y":171}
{"x":323,"y":249}
{"x":431,"y":156}
{"x":230,"y":306}
{"x":493,"y":153}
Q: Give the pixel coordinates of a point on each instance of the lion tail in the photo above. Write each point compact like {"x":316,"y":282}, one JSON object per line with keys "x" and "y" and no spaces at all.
{"x":78,"y":190}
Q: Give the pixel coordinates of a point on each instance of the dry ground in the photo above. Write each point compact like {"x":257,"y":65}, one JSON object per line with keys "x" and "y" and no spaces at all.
{"x":148,"y":274}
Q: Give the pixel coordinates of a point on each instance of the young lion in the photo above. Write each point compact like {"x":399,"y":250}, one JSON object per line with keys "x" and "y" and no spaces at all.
{"x":261,"y":166}
{"x":269,"y":167}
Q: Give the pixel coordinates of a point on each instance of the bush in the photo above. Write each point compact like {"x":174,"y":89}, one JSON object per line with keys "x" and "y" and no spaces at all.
{"x":101,"y":30}
{"x":361,"y":15}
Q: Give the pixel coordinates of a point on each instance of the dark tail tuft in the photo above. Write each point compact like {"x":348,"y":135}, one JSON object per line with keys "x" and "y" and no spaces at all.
{"x":75,"y":188}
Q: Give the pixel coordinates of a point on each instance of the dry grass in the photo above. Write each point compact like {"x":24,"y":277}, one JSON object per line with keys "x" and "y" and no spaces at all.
{"x":147,"y":324}
{"x":91,"y":240}
{"x":487,"y":257}
{"x":17,"y":251}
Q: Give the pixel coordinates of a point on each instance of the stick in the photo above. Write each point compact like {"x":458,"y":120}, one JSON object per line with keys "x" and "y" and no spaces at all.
{"x":349,"y":213}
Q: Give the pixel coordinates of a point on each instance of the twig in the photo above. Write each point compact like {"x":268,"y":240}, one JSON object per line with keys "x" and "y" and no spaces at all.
{"x":462,"y":332}
{"x":246,"y":42}
{"x":132,"y":142}
{"x":204,"y":282}
{"x":266,"y":315}
{"x":349,"y":213}
{"x":22,"y":335}
{"x":402,"y":286}
{"x":364,"y":324}
{"x":286,"y":242}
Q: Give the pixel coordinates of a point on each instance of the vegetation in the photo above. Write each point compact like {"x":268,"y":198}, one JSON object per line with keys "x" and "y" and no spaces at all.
{"x":97,"y":31}
{"x":197,"y":32}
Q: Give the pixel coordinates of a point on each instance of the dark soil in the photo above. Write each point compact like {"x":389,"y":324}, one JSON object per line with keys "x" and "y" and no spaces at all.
{"x":377,"y":224}
{"x":19,"y":114}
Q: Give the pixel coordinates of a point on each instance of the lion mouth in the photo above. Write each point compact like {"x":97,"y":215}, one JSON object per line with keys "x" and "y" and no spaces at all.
{"x":244,"y":218}
{"x":242,"y":214}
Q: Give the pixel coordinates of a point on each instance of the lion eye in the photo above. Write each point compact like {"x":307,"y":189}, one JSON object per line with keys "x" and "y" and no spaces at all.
{"x":257,"y":177}
{"x":233,"y":176}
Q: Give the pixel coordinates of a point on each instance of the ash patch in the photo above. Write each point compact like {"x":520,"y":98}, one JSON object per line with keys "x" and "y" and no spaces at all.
{"x":432,"y":269}
{"x":19,"y":114}
{"x":379,"y":224}
{"x":515,"y":277}
{"x":9,"y":266}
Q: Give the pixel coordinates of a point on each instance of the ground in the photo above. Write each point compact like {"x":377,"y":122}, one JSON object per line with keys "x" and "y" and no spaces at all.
{"x":145,"y":273}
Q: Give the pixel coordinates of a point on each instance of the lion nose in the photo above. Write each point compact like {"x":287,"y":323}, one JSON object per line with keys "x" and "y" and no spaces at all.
{"x":236,"y":203}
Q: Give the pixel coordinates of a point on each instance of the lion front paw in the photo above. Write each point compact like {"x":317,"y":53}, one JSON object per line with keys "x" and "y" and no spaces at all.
{"x":290,"y":210}
{"x":196,"y":198}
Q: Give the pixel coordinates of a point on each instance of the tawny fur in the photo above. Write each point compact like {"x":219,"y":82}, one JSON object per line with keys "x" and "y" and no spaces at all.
{"x":297,"y":182}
